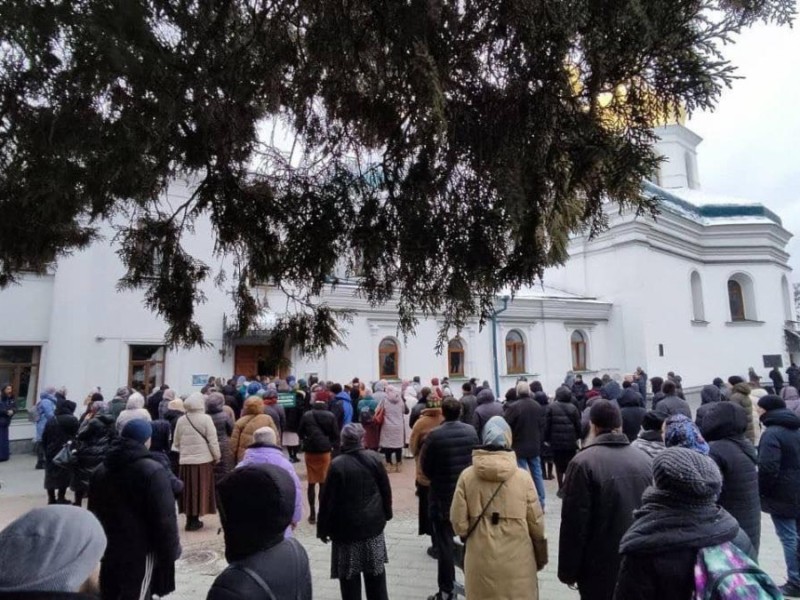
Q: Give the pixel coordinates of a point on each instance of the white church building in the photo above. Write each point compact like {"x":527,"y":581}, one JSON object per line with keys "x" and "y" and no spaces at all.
{"x":702,"y":290}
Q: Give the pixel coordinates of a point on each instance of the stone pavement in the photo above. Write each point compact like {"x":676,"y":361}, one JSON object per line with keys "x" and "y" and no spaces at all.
{"x":411,"y":574}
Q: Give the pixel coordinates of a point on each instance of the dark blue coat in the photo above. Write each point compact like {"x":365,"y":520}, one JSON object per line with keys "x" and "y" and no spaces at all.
{"x":779,"y":464}
{"x":447,"y":451}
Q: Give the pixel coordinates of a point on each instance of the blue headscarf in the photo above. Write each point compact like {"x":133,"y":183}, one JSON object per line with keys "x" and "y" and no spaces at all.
{"x":680,"y":431}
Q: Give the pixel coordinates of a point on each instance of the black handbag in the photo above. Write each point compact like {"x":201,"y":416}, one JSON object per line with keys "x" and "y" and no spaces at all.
{"x":65,"y":458}
{"x":460,"y":548}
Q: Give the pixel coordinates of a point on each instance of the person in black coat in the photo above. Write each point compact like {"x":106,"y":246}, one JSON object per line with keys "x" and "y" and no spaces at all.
{"x":131,"y":495}
{"x":154,"y":401}
{"x":91,"y":446}
{"x":355,"y":506}
{"x":422,"y":404}
{"x":8,"y":406}
{"x":679,"y":516}
{"x":579,"y":391}
{"x":656,"y":383}
{"x":486,"y":408}
{"x":632,"y":409}
{"x":793,"y":375}
{"x":602,"y":488}
{"x":710,"y":395}
{"x":723,"y":428}
{"x":256,"y":505}
{"x":468,"y":403}
{"x":62,"y":428}
{"x":779,"y":479}
{"x":447,"y":451}
{"x":671,"y":403}
{"x":160,"y":449}
{"x":526,"y":417}
{"x":562,"y":430}
{"x":777,"y":380}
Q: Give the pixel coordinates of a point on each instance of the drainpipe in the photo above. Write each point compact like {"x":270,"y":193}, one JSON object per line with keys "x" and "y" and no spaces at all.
{"x":496,"y":312}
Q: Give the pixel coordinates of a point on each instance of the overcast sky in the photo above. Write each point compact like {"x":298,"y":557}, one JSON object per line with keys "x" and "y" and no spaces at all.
{"x":751,"y":142}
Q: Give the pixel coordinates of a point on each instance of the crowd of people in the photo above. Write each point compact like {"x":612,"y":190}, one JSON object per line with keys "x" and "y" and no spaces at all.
{"x":651,"y":494}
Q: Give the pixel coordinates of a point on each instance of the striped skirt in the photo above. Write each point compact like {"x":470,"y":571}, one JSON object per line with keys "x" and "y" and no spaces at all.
{"x":198,"y":496}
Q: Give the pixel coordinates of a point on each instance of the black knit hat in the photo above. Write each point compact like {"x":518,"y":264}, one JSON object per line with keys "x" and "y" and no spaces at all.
{"x":771,"y":402}
{"x":256,"y":507}
{"x":605,"y":415}
{"x":687,"y":474}
{"x":653,"y":421}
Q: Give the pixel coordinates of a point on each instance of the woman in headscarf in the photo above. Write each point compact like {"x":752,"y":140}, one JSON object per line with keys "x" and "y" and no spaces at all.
{"x":62,"y":428}
{"x":680,"y":431}
{"x":497,"y":511}
{"x":8,"y":405}
{"x":354,"y":507}
{"x":223,"y":422}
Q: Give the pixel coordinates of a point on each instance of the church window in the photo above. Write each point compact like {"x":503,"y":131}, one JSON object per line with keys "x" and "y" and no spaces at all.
{"x":788,"y":313}
{"x":578,"y":341}
{"x":698,"y":309}
{"x":19,"y":367}
{"x":388,"y":358}
{"x":736,"y":300}
{"x":455,"y":358}
{"x":515,"y":352}
{"x":146,"y":367}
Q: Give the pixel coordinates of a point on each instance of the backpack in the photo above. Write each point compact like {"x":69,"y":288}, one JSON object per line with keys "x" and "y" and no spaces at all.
{"x":724,"y":572}
{"x":365,"y":416}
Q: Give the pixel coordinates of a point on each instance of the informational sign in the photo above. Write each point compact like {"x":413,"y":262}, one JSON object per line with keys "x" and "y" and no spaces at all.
{"x":199,"y":379}
{"x":287,"y":399}
{"x":773,"y":360}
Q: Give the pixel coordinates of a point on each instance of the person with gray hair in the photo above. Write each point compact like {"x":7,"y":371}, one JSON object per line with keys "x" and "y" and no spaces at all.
{"x":51,"y":552}
{"x":526,"y":417}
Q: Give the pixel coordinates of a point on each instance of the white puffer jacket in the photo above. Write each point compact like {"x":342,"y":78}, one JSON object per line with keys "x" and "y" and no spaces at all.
{"x":195,"y":434}
{"x":134,"y":409}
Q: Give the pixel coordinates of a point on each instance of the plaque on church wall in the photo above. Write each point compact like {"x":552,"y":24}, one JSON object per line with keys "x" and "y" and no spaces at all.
{"x":773,"y":360}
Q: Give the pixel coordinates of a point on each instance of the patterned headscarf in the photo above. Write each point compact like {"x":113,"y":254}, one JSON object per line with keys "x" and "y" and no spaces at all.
{"x":680,"y":431}
{"x":497,"y":433}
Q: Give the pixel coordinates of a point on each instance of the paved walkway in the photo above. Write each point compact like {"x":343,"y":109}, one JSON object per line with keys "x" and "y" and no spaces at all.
{"x":411,"y":574}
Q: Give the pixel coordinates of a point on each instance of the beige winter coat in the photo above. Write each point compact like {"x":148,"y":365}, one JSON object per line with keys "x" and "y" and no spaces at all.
{"x":500,"y":562}
{"x":195,"y":436}
{"x":252,"y":419}
{"x":430,"y":419}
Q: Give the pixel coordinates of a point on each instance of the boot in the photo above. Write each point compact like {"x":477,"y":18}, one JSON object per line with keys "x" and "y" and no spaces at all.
{"x":193,"y":524}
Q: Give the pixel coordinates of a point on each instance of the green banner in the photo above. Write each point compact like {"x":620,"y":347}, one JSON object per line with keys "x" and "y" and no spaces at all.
{"x":287,"y":399}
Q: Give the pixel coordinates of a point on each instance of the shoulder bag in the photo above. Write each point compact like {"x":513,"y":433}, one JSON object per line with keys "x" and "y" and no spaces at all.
{"x":380,"y":415}
{"x":459,"y":549}
{"x":65,"y":458}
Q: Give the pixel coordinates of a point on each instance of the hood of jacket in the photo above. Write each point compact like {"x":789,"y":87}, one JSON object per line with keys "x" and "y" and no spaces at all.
{"x":65,"y":407}
{"x":789,"y":393}
{"x":124,"y":451}
{"x":710,"y":394}
{"x":494,"y":465}
{"x":781,"y":417}
{"x":253,"y":406}
{"x":136,"y":400}
{"x":195,"y":403}
{"x":612,"y":390}
{"x":485,"y":397}
{"x":393,"y":394}
{"x":344,"y":396}
{"x":658,"y":529}
{"x":724,"y":420}
{"x":563,"y":394}
{"x":630,"y":398}
{"x":432,"y":412}
{"x":742,"y":388}
{"x":214,"y":403}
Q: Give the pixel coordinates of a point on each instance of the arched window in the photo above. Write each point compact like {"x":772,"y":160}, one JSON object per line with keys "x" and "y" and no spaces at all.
{"x":698,"y":309}
{"x":578,"y":341}
{"x":788,"y":313}
{"x":736,"y":300}
{"x":455,"y":358}
{"x":515,"y":352}
{"x":389,"y":359}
